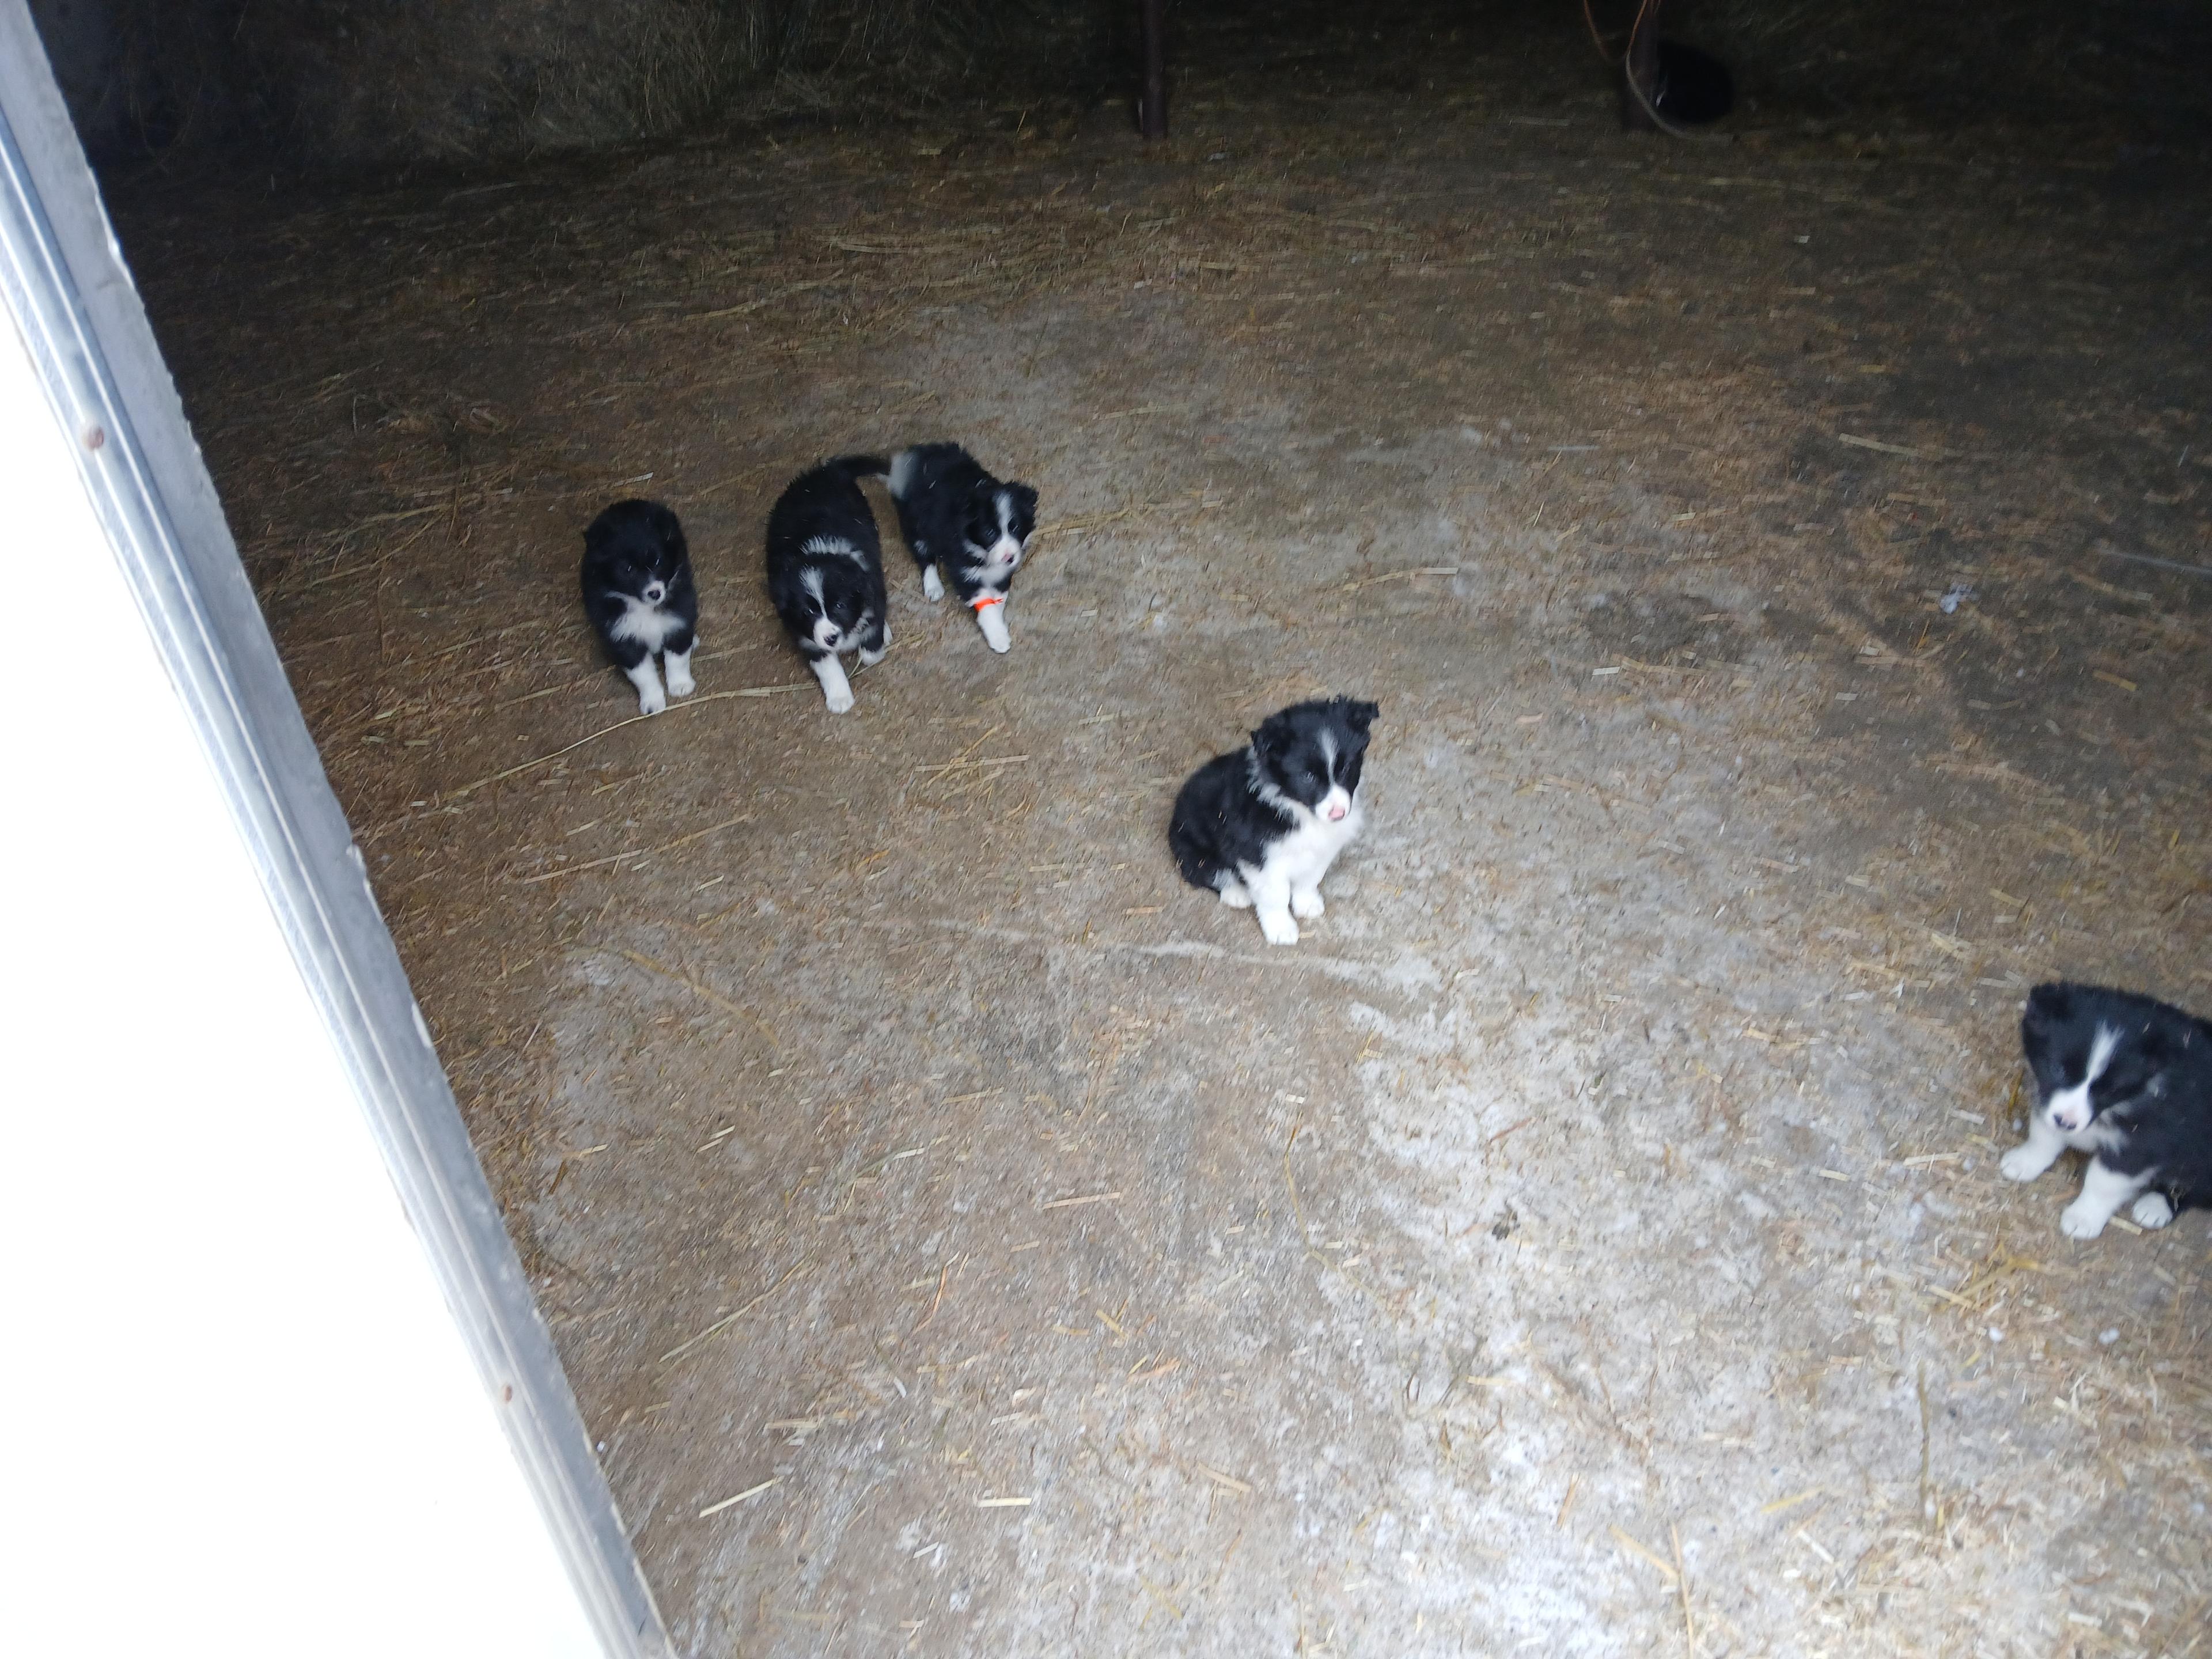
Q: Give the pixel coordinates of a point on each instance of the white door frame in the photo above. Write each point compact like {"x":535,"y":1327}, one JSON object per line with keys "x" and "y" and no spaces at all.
{"x":64,"y":278}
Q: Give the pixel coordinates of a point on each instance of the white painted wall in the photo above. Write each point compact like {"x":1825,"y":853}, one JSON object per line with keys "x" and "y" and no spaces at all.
{"x":239,"y":1420}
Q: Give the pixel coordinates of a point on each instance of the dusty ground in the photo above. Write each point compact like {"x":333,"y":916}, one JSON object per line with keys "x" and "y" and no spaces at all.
{"x":1588,"y":1237}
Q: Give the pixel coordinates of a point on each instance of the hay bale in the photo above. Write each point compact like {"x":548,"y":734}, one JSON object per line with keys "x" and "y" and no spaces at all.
{"x":403,"y":83}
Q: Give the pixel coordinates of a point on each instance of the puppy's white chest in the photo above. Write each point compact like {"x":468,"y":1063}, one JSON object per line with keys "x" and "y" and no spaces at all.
{"x":1303,"y":857}
{"x":648,"y":625}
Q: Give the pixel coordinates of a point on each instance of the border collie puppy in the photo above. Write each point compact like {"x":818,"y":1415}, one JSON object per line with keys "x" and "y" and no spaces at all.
{"x":826,"y":571}
{"x":2129,"y":1081}
{"x":957,"y":516}
{"x":638,"y":593}
{"x":1261,"y":826}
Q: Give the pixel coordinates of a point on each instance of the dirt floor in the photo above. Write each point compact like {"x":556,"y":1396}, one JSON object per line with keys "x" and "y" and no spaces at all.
{"x":965,"y":1239}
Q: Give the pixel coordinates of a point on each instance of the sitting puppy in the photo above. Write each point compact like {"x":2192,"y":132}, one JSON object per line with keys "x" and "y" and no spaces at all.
{"x":826,"y":571}
{"x":1261,"y":826}
{"x":2129,"y":1081}
{"x":638,"y":593}
{"x":956,"y":515}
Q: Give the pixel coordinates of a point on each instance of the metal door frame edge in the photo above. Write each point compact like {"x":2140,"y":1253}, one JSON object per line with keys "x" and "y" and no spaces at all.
{"x":63,"y":279}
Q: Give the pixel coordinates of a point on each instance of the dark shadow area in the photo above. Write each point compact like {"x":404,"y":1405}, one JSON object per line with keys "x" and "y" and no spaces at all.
{"x":303,"y":88}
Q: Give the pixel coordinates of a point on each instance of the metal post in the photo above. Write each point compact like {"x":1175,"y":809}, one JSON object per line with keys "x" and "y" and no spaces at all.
{"x":1152,"y":100}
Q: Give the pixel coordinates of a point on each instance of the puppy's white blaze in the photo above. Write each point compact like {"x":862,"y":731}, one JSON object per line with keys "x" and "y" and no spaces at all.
{"x":2069,"y":1107}
{"x":901,"y":473}
{"x":833,"y":547}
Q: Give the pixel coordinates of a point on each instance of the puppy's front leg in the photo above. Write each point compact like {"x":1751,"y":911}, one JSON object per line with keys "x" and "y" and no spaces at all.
{"x":2103,"y":1192}
{"x":1270,"y":897}
{"x":2037,"y":1153}
{"x":678,"y":665}
{"x":651,"y":699}
{"x":836,"y":689}
{"x":991,"y":617}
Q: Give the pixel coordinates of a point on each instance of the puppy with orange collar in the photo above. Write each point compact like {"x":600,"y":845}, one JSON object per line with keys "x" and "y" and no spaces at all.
{"x":959,"y":520}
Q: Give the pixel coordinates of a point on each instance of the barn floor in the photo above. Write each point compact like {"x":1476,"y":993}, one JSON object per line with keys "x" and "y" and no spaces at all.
{"x":965,"y":1239}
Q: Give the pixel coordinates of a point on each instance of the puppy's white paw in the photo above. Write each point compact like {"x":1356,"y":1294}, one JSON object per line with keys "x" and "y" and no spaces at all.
{"x":680,"y":682}
{"x":1306,"y":905}
{"x":2023,"y":1163}
{"x":1236,"y":897}
{"x":933,"y":585}
{"x":1279,"y":927}
{"x":651,"y":700}
{"x":991,"y":619}
{"x":2152,"y":1210}
{"x":2082,"y":1221}
{"x":840,"y":699}
{"x":870,"y":659}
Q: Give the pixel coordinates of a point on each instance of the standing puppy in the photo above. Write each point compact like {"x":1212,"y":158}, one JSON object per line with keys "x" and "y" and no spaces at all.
{"x":826,"y":571}
{"x":1261,"y":826}
{"x":957,"y":516}
{"x":2129,"y":1081}
{"x":638,"y":593}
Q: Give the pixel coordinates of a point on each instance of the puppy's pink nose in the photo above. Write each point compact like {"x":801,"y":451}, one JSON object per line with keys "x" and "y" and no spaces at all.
{"x":1336,"y":812}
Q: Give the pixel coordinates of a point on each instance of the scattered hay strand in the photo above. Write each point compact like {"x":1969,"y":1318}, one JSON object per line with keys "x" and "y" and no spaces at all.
{"x":1087,"y":1198}
{"x":1682,"y":1583}
{"x":1635,"y":1548}
{"x":1791,"y":1502}
{"x":733,"y":1317}
{"x":636,"y":852}
{"x":748,"y":1494}
{"x":706,"y":993}
{"x":1229,"y":1482}
{"x":751,"y":305}
{"x":1399,"y":576}
{"x":687,"y":703}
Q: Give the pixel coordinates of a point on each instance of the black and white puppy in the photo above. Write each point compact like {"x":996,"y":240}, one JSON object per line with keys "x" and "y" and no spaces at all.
{"x":1261,"y":826}
{"x":2129,"y":1081}
{"x":638,"y":594}
{"x":956,"y":517}
{"x":826,"y":571}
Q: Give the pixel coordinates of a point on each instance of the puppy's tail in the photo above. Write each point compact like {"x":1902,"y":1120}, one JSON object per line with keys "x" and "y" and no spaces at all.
{"x":860,"y":466}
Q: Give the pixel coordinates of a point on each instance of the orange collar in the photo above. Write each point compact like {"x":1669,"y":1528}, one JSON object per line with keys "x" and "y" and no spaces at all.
{"x":983,"y":602}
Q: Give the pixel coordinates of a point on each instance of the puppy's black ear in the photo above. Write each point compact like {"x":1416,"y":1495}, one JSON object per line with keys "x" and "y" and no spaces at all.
{"x":1361,"y":715}
{"x":669,"y":530}
{"x":2047,"y":1004}
{"x":1269,"y":737}
{"x":1024,"y":497}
